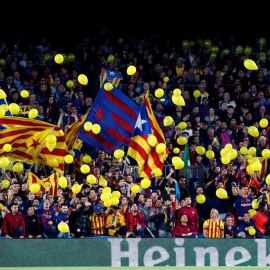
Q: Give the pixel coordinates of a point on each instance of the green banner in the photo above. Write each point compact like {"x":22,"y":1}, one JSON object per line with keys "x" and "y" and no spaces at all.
{"x":134,"y":252}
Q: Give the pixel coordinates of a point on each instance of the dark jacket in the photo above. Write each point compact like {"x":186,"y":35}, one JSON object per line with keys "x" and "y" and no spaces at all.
{"x":32,"y":225}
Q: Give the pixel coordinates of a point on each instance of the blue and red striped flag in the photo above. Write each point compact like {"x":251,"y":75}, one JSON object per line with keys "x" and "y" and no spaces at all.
{"x":226,"y":139}
{"x":116,"y":114}
{"x":110,"y":76}
{"x":160,"y":118}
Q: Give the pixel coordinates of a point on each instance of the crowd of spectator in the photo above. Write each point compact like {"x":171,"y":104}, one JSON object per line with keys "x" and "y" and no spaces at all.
{"x":231,"y":98}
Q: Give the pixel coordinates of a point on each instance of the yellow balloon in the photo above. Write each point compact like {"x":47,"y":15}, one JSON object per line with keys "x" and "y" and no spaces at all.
{"x":63,"y":227}
{"x":166,"y":79}
{"x":51,"y":139}
{"x":200,"y":198}
{"x":50,"y":146}
{"x":225,"y":159}
{"x":251,"y":212}
{"x":181,"y":165}
{"x":108,"y":203}
{"x":108,"y":86}
{"x":24,"y":94}
{"x":103,"y":182}
{"x":107,"y":189}
{"x":152,"y":140}
{"x":160,"y":148}
{"x":118,"y":153}
{"x":249,"y":169}
{"x":267,"y":179}
{"x":135,"y":188}
{"x":178,"y":100}
{"x":159,"y":93}
{"x":87,"y":159}
{"x":182,"y":125}
{"x":168,"y":120}
{"x":196,"y":93}
{"x":131,"y":70}
{"x":2,"y":94}
{"x":59,"y":58}
{"x":243,"y":150}
{"x":256,"y":166}
{"x":177,"y":92}
{"x":33,"y":113}
{"x":221,"y":193}
{"x":104,"y":197}
{"x":2,"y":112}
{"x":5,"y":107}
{"x":76,"y":188}
{"x":252,"y":150}
{"x":250,"y":64}
{"x":157,"y":172}
{"x":223,"y":152}
{"x":91,"y":179}
{"x":5,"y":183}
{"x":68,"y":159}
{"x":210,"y":154}
{"x":266,"y":153}
{"x":176,"y":161}
{"x":263,"y":123}
{"x":176,"y":150}
{"x":85,"y":169}
{"x":53,"y":162}
{"x":34,"y":188}
{"x":82,"y":79}
{"x":233,"y":153}
{"x":200,"y":150}
{"x":96,"y":128}
{"x":115,"y":201}
{"x":182,"y":140}
{"x":251,"y":231}
{"x":110,"y":58}
{"x":87,"y":126}
{"x":7,"y":147}
{"x":253,"y":131}
{"x":255,"y":204}
{"x":62,"y":182}
{"x":14,"y":108}
{"x":4,"y":161}
{"x":17,"y":167}
{"x":228,"y":146}
{"x":145,"y":183}
{"x":116,"y":194}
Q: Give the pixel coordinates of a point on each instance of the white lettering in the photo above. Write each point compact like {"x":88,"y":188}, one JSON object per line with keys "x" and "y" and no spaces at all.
{"x":200,"y":256}
{"x":131,"y":254}
{"x":148,"y":256}
{"x":229,"y":259}
{"x":263,"y":259}
{"x":180,"y":252}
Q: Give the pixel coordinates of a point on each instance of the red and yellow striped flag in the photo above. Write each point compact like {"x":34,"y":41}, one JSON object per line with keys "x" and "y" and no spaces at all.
{"x":28,"y":140}
{"x":52,"y":180}
{"x":146,"y":156}
{"x":72,"y":132}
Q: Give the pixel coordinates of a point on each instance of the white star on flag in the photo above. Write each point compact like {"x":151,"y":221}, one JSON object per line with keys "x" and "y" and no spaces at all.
{"x":140,"y":122}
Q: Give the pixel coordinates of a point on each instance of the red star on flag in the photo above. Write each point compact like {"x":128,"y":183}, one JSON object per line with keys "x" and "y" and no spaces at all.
{"x":35,"y":143}
{"x":99,"y":114}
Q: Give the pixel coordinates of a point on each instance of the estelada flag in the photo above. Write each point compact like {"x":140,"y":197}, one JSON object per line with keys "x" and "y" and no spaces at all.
{"x":52,"y":180}
{"x":28,"y":140}
{"x":146,"y":156}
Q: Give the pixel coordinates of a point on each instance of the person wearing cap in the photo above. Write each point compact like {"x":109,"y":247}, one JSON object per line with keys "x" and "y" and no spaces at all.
{"x":97,"y":220}
{"x":115,"y":222}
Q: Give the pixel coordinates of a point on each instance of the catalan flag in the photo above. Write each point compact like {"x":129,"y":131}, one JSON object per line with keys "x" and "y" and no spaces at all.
{"x":28,"y":140}
{"x":145,"y":155}
{"x":110,"y":76}
{"x":52,"y":180}
{"x":72,"y":132}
